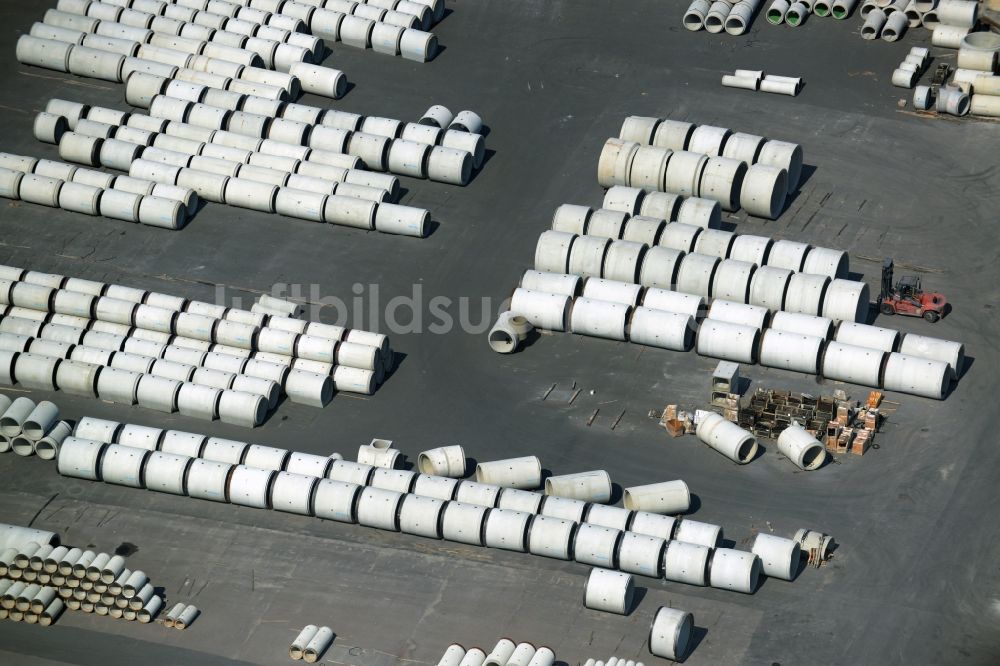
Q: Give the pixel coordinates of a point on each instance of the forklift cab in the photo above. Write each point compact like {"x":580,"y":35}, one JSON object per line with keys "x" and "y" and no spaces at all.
{"x":909,"y":287}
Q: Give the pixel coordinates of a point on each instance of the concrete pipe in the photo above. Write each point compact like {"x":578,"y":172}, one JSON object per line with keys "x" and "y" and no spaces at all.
{"x":354,"y":380}
{"x":592,"y":486}
{"x":209,"y":480}
{"x":660,"y":328}
{"x":715,"y":19}
{"x":464,"y":523}
{"x":251,"y":487}
{"x":336,"y":500}
{"x":917,"y":376}
{"x":602,"y":319}
{"x":453,"y":656}
{"x":409,"y":158}
{"x":551,"y":283}
{"x":779,"y":557}
{"x":776,"y":14}
{"x":10,"y":183}
{"x":769,"y":286}
{"x":664,"y":497}
{"x":819,"y":327}
{"x":841,"y":9}
{"x":641,"y":554}
{"x":615,"y":162}
{"x":613,"y":291}
{"x":659,"y":267}
{"x":850,"y":363}
{"x":36,"y":371}
{"x":98,"y":430}
{"x":49,"y":128}
{"x":727,"y":438}
{"x":728,"y":341}
{"x":794,"y":16}
{"x":96,"y":64}
{"x":123,"y":465}
{"x":722,"y":179}
{"x":648,"y":167}
{"x":379,"y":508}
{"x":448,"y":165}
{"x":982,"y":104}
{"x":734,"y":570}
{"x":623,"y":260}
{"x":608,"y":516}
{"x":438,"y":487}
{"x":960,"y":13}
{"x":47,"y":448}
{"x":618,"y":198}
{"x":522,"y":655}
{"x":386,"y":457}
{"x":350,"y":212}
{"x":140,"y":437}
{"x":653,"y":524}
{"x":764,"y":190}
{"x":15,"y":415}
{"x":244,"y":409}
{"x":40,"y":190}
{"x":299,"y":643}
{"x":46,"y":53}
{"x":740,"y":17}
{"x":80,"y":458}
{"x":596,"y":545}
{"x":753,"y":316}
{"x":398,"y":480}
{"x":669,"y":633}
{"x":684,"y":172}
{"x":874,"y":21}
{"x":186,"y":617}
{"x":644,"y":230}
{"x":984,"y":61}
{"x":702,"y":534}
{"x":805,"y":293}
{"x":443,"y":461}
{"x":732,"y":281}
{"x":846,"y":300}
{"x":507,"y":530}
{"x":40,"y":421}
{"x":501,"y":653}
{"x":791,"y":351}
{"x":694,"y":17}
{"x":920,"y":346}
{"x":660,"y":205}
{"x":437,"y":116}
{"x":55,"y":33}
{"x":863,"y":335}
{"x":421,"y":516}
{"x":701,"y":213}
{"x":673,"y":301}
{"x":903,"y":78}
{"x":695,"y":273}
{"x":639,"y":129}
{"x":799,"y":446}
{"x":551,"y":537}
{"x":309,"y":388}
{"x":895,"y":26}
{"x":542,"y":310}
{"x":605,"y":223}
{"x":524,"y":472}
{"x":183,"y":443}
{"x":158,"y":393}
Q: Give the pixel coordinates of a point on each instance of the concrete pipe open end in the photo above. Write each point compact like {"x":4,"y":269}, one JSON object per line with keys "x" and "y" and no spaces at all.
{"x":443,"y":461}
{"x":508,"y":333}
{"x":727,"y":438}
{"x":670,"y":632}
{"x":801,"y":447}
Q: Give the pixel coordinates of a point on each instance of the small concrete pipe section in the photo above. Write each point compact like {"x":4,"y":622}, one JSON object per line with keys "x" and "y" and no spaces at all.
{"x":779,"y":557}
{"x":727,"y":438}
{"x":666,"y":497}
{"x":669,"y":633}
{"x":523,"y":473}
{"x":796,"y":444}
{"x":592,"y":486}
{"x":609,"y":591}
{"x":734,"y":570}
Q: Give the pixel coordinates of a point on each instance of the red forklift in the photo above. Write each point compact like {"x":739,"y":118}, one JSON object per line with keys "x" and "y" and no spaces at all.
{"x":906,"y":297}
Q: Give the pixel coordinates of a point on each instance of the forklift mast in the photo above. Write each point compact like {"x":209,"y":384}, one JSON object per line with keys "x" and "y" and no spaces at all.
{"x":887,"y":266}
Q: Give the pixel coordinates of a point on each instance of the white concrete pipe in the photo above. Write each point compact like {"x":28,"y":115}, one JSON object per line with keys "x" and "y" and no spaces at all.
{"x":662,"y":498}
{"x":695,"y":273}
{"x":960,"y":13}
{"x":841,"y":9}
{"x":702,"y":534}
{"x":438,"y":487}
{"x":728,"y":341}
{"x":641,"y":554}
{"x":753,"y":316}
{"x":298,"y":645}
{"x":501,"y":653}
{"x":596,"y":545}
{"x":421,"y":516}
{"x":850,"y":363}
{"x":643,"y":229}
{"x":791,"y":351}
{"x":769,"y":286}
{"x":609,"y":591}
{"x":602,"y":319}
{"x":47,"y":448}
{"x":379,"y":508}
{"x":524,"y":472}
{"x":802,"y":448}
{"x":917,"y":376}
{"x":670,"y":632}
{"x":336,"y":500}
{"x":776,"y":12}
{"x":763,"y":190}
{"x":542,"y":310}
{"x":805,"y":293}
{"x":251,"y":487}
{"x":653,"y":524}
{"x":443,"y":461}
{"x":921,"y":346}
{"x":123,"y":465}
{"x":615,"y":162}
{"x":552,"y":283}
{"x":592,"y":486}
{"x":480,"y":494}
{"x":36,"y":371}
{"x":80,"y":458}
{"x":398,"y":480}
{"x":464,"y":523}
{"x":551,"y":537}
{"x":208,"y":480}
{"x":659,"y":328}
{"x":727,"y":438}
{"x":732,"y":280}
{"x":39,"y":421}
{"x":779,"y":557}
{"x":863,"y":335}
{"x":846,"y":300}
{"x":734,"y":570}
{"x":509,"y":331}
{"x":507,"y":530}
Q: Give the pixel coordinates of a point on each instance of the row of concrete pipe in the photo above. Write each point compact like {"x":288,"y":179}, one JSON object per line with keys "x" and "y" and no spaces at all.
{"x":504,"y":653}
{"x":311,"y":643}
{"x":545,"y":533}
{"x":734,"y":168}
{"x":719,"y":15}
{"x":843,"y":350}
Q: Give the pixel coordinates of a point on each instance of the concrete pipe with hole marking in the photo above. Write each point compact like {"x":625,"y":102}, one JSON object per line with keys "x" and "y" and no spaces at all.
{"x":603,"y":319}
{"x":507,"y":530}
{"x":663,"y":498}
{"x":565,"y":508}
{"x":298,"y":645}
{"x":728,"y":341}
{"x":769,"y":286}
{"x":850,"y":363}
{"x":799,"y":446}
{"x":615,"y":162}
{"x":805,"y":293}
{"x":551,"y":537}
{"x":734,"y":570}
{"x":542,"y":310}
{"x":208,"y":480}
{"x":753,"y":316}
{"x":551,"y":283}
{"x":479,"y":494}
{"x":80,"y":458}
{"x":36,"y":371}
{"x":336,"y":500}
{"x":609,"y":591}
{"x":379,"y":508}
{"x":123,"y":465}
{"x":523,"y":473}
{"x":40,"y":420}
{"x":779,"y":557}
{"x":764,"y":190}
{"x":846,"y":300}
{"x":791,"y":351}
{"x":596,"y":545}
{"x":653,"y":524}
{"x":727,"y":438}
{"x":722,"y":180}
{"x":649,"y":167}
{"x":916,"y":376}
{"x":501,"y":653}
{"x":686,"y":563}
{"x":863,"y":335}
{"x":641,"y":554}
{"x":421,"y":516}
{"x":696,"y":532}
{"x":594,"y":486}
{"x":670,"y":632}
{"x":935,"y":349}
{"x":443,"y":461}
{"x":464,"y":523}
{"x":732,"y":280}
{"x":439,"y":487}
{"x":251,"y":487}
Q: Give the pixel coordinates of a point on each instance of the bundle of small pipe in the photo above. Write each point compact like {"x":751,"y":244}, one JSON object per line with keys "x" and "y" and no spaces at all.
{"x":504,"y":653}
{"x":30,"y":429}
{"x":170,"y":354}
{"x":39,"y":579}
{"x":255,"y":54}
{"x":720,"y":15}
{"x":974,"y":86}
{"x":752,"y":79}
{"x":735,"y":169}
{"x":949,"y":20}
{"x":638,"y":542}
{"x":181,"y":616}
{"x":910,"y":69}
{"x":311,"y":643}
{"x":781,"y":327}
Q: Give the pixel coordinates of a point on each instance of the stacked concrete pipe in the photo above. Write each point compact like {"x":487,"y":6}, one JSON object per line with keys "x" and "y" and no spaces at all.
{"x":592,"y":544}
